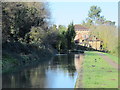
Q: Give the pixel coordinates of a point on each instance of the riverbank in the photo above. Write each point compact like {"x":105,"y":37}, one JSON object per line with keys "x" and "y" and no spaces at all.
{"x":18,"y":55}
{"x":97,"y":73}
{"x":113,"y":57}
{"x":79,"y":83}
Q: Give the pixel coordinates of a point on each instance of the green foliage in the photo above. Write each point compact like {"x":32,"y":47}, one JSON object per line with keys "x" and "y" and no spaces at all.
{"x":54,"y":27}
{"x":70,"y":35}
{"x":57,"y":37}
{"x":100,"y":20}
{"x":36,"y":35}
{"x":94,"y":12}
{"x":52,"y":36}
{"x":19,"y":17}
{"x":94,"y":18}
{"x":8,"y":62}
{"x":62,"y":45}
{"x":109,"y":23}
{"x":103,"y":29}
{"x":108,"y":34}
{"x":9,"y":59}
{"x":61,"y":37}
{"x":88,"y":23}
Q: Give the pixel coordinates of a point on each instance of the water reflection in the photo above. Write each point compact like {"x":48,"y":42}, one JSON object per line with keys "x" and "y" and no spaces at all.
{"x":59,"y":72}
{"x":78,"y":61}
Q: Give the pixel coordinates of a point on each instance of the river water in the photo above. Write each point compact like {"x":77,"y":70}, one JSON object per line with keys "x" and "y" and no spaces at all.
{"x":59,"y":72}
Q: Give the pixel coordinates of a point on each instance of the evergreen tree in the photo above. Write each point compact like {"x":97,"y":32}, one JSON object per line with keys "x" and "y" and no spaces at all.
{"x":70,"y":34}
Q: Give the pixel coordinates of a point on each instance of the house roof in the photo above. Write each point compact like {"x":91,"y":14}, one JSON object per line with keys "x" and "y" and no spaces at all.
{"x":79,"y":27}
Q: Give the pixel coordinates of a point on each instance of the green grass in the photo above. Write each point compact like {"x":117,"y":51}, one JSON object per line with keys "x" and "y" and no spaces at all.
{"x":114,"y":58}
{"x":98,"y":74}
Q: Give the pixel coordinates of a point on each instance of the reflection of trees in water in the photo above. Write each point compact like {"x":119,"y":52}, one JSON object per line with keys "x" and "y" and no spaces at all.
{"x":37,"y":76}
{"x":65,"y":62}
{"x":16,"y":80}
{"x":34,"y":77}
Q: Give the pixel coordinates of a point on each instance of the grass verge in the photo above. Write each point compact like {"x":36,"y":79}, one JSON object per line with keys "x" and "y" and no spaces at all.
{"x":98,"y":73}
{"x":114,"y":58}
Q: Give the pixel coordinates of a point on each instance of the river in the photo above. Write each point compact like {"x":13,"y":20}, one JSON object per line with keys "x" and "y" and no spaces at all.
{"x":59,"y":72}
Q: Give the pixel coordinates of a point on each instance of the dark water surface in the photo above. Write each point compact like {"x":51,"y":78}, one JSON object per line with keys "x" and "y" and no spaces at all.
{"x":58,"y":72}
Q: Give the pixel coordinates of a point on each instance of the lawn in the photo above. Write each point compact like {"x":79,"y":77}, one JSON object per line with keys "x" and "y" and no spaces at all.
{"x":97,"y":73}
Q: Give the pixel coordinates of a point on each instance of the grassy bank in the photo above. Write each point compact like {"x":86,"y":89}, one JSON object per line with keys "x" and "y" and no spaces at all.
{"x":113,"y":57}
{"x":17,"y":55}
{"x":98,"y":73}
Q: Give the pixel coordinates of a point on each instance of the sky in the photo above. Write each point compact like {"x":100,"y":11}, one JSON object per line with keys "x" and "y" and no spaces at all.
{"x":63,"y":13}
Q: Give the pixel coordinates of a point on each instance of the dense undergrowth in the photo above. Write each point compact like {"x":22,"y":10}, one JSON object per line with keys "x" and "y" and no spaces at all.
{"x":17,"y":54}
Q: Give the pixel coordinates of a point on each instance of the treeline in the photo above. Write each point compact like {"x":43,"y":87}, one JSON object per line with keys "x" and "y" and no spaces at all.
{"x":65,"y":37}
{"x":29,"y":23}
{"x":21,"y":21}
{"x":103,"y":29}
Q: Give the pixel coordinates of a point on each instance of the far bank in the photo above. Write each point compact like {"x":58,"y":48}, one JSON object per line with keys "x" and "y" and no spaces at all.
{"x":18,"y":55}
